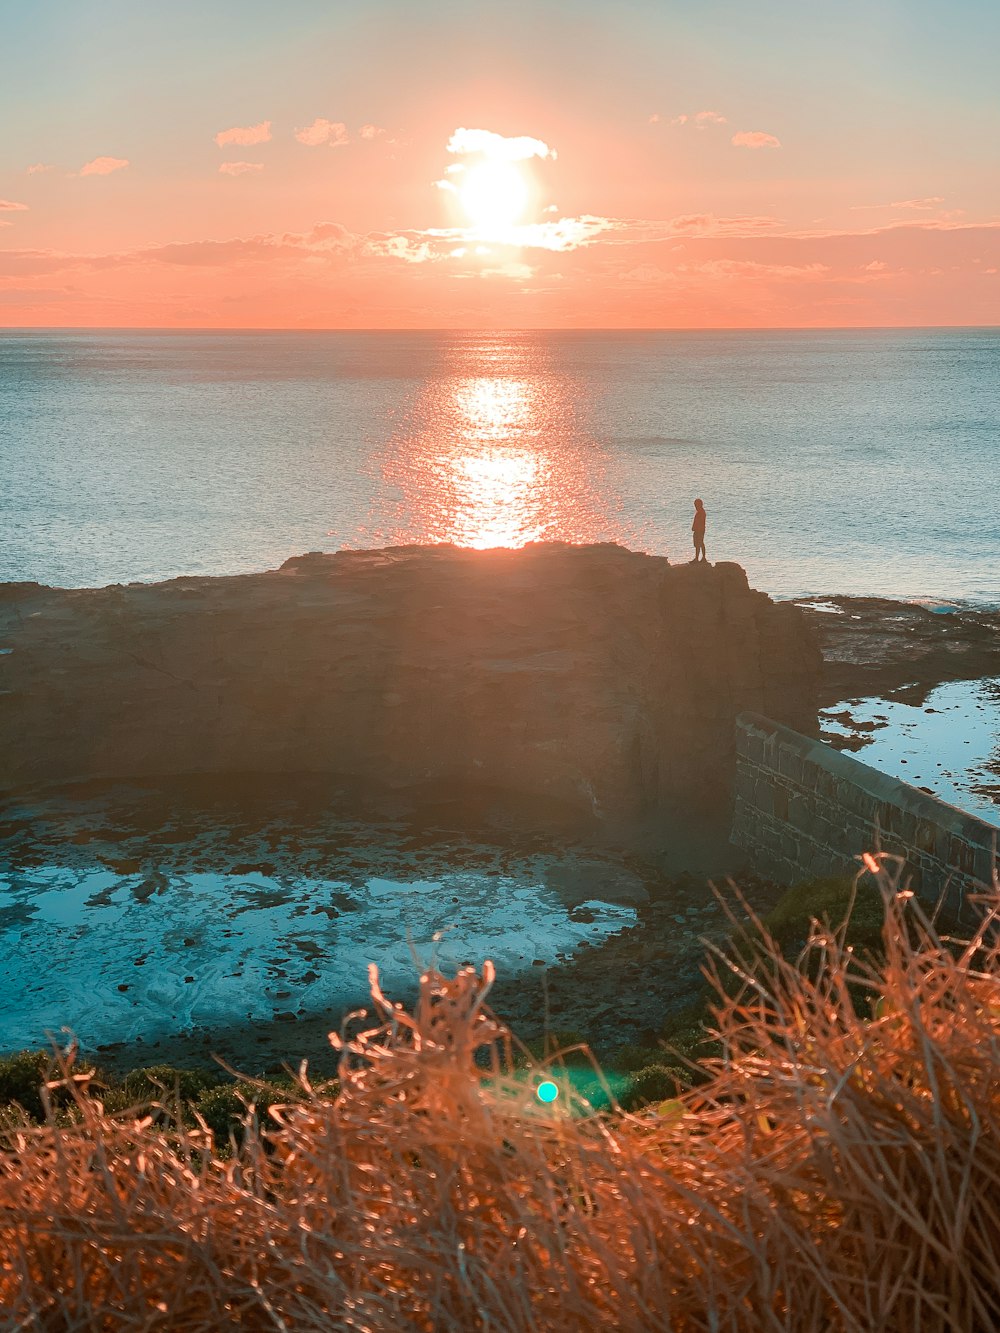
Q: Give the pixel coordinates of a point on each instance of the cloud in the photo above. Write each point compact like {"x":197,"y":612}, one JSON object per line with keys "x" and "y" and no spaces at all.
{"x":33,"y":295}
{"x":699,"y":119}
{"x":924,"y":204}
{"x":755,"y":139}
{"x":513,"y":270}
{"x":37,"y":167}
{"x":8,"y":206}
{"x":103,"y":166}
{"x":517,"y":149}
{"x":245,"y":134}
{"x":239,"y":168}
{"x":330,"y":132}
{"x":931,"y":201}
{"x":565,"y":234}
{"x":752,"y":268}
{"x":411,"y":248}
{"x":646,"y":273}
{"x":707,"y":224}
{"x":371,"y":132}
{"x":654,"y":119}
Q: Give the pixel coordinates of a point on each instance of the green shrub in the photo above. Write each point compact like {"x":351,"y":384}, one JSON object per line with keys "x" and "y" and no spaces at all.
{"x":829,"y":898}
{"x":544,"y":1048}
{"x":655,"y":1083}
{"x":156,"y":1082}
{"x":224,"y":1107}
{"x":21,"y":1078}
{"x":632,"y":1058}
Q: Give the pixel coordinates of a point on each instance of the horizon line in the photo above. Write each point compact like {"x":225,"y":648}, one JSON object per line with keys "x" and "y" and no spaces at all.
{"x":456,"y":328}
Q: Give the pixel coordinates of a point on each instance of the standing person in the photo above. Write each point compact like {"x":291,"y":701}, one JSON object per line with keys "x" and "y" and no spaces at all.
{"x":698,"y":532}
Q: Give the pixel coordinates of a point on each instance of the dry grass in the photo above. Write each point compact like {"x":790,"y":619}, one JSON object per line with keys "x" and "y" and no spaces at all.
{"x":839,"y":1170}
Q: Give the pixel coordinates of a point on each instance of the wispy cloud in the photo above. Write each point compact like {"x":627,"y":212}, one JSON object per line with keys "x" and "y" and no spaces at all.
{"x":497,"y":146}
{"x":755,"y":139}
{"x":245,"y":134}
{"x":645,"y":274}
{"x":701,"y":120}
{"x":564,"y":234}
{"x":920,"y":205}
{"x":330,"y":132}
{"x":239,"y":168}
{"x":371,"y":132}
{"x":687,"y":247}
{"x":707,"y":224}
{"x":37,"y":168}
{"x":559,"y":236}
{"x":514,"y":270}
{"x":103,"y":166}
{"x":753,"y":268}
{"x":9,"y":206}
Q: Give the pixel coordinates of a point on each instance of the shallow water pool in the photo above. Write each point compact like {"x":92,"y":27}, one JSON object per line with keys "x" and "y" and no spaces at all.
{"x":948,"y":745}
{"x":132,"y":913}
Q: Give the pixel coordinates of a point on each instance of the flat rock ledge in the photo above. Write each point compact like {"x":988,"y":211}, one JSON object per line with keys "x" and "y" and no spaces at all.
{"x":592,"y":676}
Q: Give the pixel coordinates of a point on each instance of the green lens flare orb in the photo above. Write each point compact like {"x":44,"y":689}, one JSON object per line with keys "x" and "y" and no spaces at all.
{"x":547,"y":1091}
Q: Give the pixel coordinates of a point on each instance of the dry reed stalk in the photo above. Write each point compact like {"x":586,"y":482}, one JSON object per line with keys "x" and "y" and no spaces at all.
{"x":839,"y":1170}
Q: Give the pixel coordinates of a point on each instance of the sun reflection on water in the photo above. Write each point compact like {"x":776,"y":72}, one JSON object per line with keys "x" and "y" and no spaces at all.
{"x":496,"y":472}
{"x":500,"y":459}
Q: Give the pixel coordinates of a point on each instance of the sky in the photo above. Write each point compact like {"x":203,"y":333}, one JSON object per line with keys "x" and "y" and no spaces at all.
{"x":395,"y":164}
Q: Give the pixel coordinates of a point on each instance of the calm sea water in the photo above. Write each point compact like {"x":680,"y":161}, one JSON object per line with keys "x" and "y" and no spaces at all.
{"x":846,"y":461}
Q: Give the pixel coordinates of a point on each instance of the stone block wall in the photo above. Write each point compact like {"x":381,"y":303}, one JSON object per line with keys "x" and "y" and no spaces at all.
{"x":802,"y":809}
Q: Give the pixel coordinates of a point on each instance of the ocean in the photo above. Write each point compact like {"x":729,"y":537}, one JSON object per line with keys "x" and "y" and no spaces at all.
{"x":861,"y":462}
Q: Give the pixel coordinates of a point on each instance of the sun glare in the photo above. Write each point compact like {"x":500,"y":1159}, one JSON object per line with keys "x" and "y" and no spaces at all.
{"x":494,"y":194}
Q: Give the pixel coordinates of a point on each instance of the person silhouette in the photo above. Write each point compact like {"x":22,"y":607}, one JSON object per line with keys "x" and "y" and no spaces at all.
{"x":698,"y":533}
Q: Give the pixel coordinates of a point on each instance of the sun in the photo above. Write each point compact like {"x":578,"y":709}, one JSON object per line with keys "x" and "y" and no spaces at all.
{"x":494,"y":195}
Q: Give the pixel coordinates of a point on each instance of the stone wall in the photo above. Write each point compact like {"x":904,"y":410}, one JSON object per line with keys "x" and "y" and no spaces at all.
{"x":600,"y":677}
{"x":803,"y":809}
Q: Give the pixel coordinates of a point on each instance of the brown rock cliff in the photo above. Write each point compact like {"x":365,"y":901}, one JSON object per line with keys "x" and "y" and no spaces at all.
{"x":591,"y":674}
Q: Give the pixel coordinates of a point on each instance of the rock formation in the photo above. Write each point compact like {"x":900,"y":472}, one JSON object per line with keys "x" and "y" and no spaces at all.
{"x":594,"y":675}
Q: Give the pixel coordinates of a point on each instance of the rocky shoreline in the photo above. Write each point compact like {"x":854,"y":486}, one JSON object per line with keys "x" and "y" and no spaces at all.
{"x":610,"y":990}
{"x":875,"y":646}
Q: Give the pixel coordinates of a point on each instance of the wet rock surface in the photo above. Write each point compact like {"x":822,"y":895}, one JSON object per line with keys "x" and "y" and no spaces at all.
{"x":874,"y":646}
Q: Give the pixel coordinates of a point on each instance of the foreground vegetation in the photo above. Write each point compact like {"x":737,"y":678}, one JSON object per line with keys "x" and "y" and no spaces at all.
{"x":834,"y":1164}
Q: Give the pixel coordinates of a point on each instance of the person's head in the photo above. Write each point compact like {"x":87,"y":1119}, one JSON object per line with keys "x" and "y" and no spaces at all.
{"x":698,"y":504}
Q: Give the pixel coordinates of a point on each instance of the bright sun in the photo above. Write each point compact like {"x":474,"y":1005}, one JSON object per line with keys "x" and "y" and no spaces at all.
{"x":494,"y":194}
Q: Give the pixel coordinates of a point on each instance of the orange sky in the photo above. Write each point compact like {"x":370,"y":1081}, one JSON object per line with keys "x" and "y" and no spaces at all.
{"x":547,"y":165}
